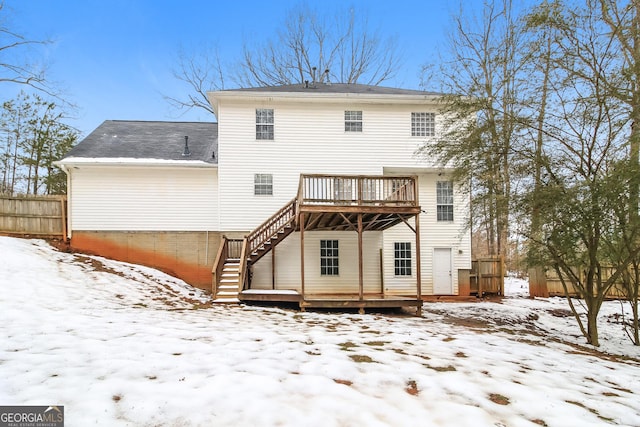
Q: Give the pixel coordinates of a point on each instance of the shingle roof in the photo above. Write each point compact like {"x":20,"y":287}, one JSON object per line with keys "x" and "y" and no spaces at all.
{"x":342,"y":88}
{"x":150,"y":140}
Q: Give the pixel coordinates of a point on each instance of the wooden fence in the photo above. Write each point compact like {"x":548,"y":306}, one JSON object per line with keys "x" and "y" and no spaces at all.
{"x":34,"y":215}
{"x":554,"y":285}
{"x":487,"y":276}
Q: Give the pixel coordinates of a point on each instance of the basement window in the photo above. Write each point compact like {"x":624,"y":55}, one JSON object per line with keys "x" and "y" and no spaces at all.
{"x":329,"y":258}
{"x":402,"y":258}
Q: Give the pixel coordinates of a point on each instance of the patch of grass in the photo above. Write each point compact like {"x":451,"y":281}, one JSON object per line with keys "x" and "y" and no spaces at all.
{"x":610,"y":394}
{"x":346,"y":346}
{"x":448,"y":339}
{"x":344,"y":382}
{"x":593,"y":411}
{"x":460,"y":354}
{"x":152,"y":377}
{"x":449,"y":368}
{"x":313,"y":353}
{"x":399,"y":351}
{"x":412,"y":388}
{"x":176,"y":354}
{"x":376,"y":343}
{"x":116,"y":398}
{"x":358,"y":358}
{"x":499,"y":399}
{"x":539,"y":422}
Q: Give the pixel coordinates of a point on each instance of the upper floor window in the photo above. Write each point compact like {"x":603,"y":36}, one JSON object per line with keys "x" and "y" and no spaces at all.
{"x":423,"y":124}
{"x":263,"y":184}
{"x":353,"y":121}
{"x":264,"y":123}
{"x":444,"y":196}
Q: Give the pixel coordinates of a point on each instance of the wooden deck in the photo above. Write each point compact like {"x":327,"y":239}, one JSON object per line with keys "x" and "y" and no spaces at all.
{"x":330,"y":300}
{"x":357,"y":203}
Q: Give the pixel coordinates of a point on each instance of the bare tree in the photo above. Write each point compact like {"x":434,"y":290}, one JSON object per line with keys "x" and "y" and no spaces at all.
{"x":13,"y":47}
{"x":340,"y":49}
{"x":201,"y":71}
{"x":343,"y":44}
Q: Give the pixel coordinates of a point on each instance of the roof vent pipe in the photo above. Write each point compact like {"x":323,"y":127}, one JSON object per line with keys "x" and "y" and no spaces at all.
{"x":313,"y":75}
{"x":326,"y":73}
{"x":186,"y":151}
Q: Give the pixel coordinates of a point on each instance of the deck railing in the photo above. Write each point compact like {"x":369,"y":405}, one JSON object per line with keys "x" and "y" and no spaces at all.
{"x":358,"y":190}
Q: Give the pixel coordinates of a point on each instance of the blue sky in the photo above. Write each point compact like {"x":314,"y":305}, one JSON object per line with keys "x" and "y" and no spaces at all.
{"x":113,"y":59}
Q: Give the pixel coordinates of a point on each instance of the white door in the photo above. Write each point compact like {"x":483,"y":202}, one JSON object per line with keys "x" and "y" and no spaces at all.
{"x":442,"y":278}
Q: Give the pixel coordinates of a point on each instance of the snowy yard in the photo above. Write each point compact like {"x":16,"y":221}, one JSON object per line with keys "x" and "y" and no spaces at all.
{"x":123,"y":345}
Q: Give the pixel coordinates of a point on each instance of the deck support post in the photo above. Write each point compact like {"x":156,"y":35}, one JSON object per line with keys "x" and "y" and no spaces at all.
{"x":418,"y":267}
{"x":301,"y":222}
{"x":360,"y":267}
{"x":273,"y":267}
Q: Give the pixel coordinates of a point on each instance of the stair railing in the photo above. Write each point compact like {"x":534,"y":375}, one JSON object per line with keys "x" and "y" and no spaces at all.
{"x":218,"y":265}
{"x":243,"y":270}
{"x":271,"y":227}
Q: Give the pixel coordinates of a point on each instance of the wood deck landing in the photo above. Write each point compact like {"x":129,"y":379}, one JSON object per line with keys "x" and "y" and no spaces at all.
{"x":330,"y":300}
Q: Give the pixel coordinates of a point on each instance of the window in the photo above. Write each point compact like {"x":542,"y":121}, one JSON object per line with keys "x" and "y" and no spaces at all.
{"x":264,"y":123}
{"x":329,"y":257}
{"x":353,"y":121}
{"x":423,"y":124}
{"x":263,"y":184}
{"x":402,"y":258}
{"x":444,"y":195}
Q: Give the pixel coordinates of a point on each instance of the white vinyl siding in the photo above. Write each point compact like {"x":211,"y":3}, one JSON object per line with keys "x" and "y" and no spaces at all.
{"x":326,"y":150}
{"x":433,"y":234}
{"x":144,"y":199}
{"x":287,"y":264}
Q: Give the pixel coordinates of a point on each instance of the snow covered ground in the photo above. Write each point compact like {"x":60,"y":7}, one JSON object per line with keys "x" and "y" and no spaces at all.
{"x":123,"y":345}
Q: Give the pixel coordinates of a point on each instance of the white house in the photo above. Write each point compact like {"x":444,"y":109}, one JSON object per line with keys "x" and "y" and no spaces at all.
{"x":309,"y":193}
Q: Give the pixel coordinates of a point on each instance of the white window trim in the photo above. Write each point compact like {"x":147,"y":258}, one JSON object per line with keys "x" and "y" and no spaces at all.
{"x":262,"y":182}
{"x":351,"y":121}
{"x":408,"y":258}
{"x":445,"y":203}
{"x":266,"y":123}
{"x":425,"y":126}
{"x":330,"y":268}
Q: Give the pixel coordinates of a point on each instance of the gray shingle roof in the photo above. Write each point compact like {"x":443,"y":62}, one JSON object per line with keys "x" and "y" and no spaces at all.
{"x":342,"y":88}
{"x":150,"y":140}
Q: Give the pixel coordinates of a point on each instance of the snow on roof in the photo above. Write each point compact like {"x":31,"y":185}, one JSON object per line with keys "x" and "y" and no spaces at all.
{"x":149,"y":141}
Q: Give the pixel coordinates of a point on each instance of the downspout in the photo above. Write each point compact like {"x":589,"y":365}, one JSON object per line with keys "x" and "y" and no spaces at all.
{"x":67,"y":172}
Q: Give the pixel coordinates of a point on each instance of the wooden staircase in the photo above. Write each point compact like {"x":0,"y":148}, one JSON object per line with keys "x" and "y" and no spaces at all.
{"x":227,"y":288}
{"x":231,"y":267}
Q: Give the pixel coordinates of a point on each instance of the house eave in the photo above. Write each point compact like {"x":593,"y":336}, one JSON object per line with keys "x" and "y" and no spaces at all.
{"x":131,"y":162}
